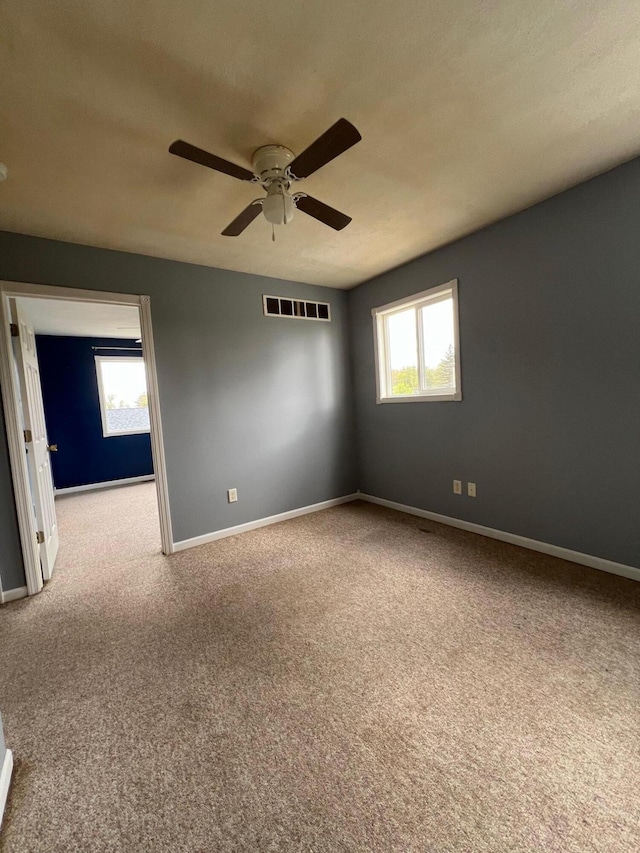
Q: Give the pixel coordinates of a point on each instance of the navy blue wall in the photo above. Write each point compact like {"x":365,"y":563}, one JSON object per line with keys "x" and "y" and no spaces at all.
{"x":72,"y":411}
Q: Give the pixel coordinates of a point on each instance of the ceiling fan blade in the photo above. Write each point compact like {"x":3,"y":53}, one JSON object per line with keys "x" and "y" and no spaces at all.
{"x":197,"y":155}
{"x":240,"y":222}
{"x":321,"y":211}
{"x":340,"y":136}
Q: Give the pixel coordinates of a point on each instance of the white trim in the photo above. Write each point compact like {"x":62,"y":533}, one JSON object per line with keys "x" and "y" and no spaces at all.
{"x":13,"y":594}
{"x":157,"y":440}
{"x":5,"y":780}
{"x":420,"y":398}
{"x":379,"y":355}
{"x":11,"y":404}
{"x":68,"y":294}
{"x":261,"y":522}
{"x":424,"y":296}
{"x":106,"y":484}
{"x":532,"y":544}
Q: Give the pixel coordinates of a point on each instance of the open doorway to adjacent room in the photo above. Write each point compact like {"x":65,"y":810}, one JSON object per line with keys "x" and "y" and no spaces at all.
{"x":83,"y":424}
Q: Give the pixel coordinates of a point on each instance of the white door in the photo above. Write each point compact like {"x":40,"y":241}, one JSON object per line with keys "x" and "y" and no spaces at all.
{"x":36,"y":439}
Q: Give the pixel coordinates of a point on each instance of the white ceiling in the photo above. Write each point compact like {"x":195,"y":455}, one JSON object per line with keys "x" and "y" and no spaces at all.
{"x":82,"y":319}
{"x":469,"y":111}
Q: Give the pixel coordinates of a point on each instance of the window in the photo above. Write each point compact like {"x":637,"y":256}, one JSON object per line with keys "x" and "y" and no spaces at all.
{"x":122,"y":388}
{"x":417,"y":347}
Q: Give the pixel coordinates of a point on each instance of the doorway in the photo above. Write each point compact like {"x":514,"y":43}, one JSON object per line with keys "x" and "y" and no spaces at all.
{"x":113,"y":334}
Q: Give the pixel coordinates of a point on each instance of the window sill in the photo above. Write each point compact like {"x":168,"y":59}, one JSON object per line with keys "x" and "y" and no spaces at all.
{"x":126,"y":432}
{"x":423,"y":398}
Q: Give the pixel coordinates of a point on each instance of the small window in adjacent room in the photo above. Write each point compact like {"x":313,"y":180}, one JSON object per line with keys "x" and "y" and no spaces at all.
{"x":417,"y":347}
{"x":122,"y":388}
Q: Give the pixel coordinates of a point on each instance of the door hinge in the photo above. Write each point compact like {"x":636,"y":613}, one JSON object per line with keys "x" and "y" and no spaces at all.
{"x":40,"y":537}
{"x":28,"y":437}
{"x":14,"y":330}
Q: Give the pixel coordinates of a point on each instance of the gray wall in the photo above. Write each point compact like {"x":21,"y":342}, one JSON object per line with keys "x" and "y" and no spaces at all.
{"x":260,"y":404}
{"x":549,"y":424}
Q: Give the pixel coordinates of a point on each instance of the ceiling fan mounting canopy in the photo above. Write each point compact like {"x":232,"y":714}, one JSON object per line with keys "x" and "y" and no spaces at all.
{"x":276,"y":168}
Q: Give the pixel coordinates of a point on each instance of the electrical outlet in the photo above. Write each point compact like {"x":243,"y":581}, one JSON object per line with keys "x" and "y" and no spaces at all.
{"x":471,"y":490}
{"x":232,"y":495}
{"x":457,"y":487}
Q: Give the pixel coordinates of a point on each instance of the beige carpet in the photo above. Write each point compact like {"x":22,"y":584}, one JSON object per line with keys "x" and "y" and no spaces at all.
{"x":354,"y":680}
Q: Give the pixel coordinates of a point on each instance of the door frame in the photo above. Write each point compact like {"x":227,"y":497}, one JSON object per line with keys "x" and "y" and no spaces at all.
{"x":11,"y":406}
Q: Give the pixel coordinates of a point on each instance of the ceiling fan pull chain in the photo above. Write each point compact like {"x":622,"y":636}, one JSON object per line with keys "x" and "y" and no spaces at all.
{"x":273,"y":233}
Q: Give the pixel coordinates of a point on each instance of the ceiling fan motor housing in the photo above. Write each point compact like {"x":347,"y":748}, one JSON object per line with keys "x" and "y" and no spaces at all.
{"x":271,"y":161}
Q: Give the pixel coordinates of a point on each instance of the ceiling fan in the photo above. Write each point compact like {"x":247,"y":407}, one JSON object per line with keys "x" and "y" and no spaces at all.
{"x":276,"y":169}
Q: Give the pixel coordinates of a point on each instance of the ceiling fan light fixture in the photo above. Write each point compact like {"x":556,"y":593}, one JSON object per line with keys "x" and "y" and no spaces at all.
{"x":278,"y":206}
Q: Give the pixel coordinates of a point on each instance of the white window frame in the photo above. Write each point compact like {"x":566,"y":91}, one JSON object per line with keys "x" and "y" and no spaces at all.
{"x":380,"y":316}
{"x":101,"y":395}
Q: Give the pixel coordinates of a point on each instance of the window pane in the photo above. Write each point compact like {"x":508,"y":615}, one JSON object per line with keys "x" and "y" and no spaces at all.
{"x":125,"y":395}
{"x":438,"y":342}
{"x":403,"y":352}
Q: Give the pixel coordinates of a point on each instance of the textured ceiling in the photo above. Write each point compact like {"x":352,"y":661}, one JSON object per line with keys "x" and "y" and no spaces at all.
{"x":469,"y":111}
{"x":81,"y":319}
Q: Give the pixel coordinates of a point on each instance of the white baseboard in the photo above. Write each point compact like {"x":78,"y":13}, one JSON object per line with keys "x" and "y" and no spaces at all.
{"x":5,"y":780}
{"x":532,"y":544}
{"x":260,"y":522}
{"x":13,"y":594}
{"x":107,"y":484}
